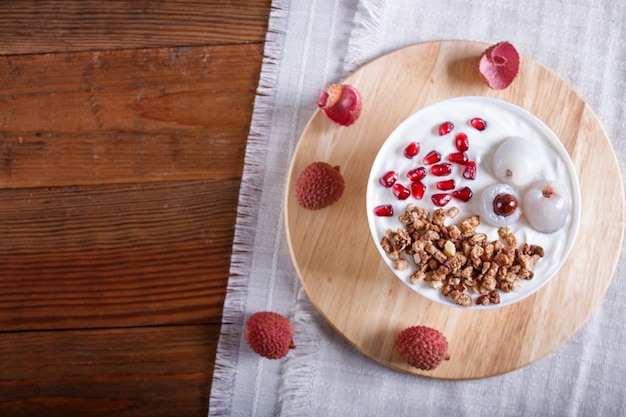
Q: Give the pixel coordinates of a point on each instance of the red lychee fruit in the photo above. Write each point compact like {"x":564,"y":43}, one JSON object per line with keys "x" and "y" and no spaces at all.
{"x":341,"y":103}
{"x":269,"y":334}
{"x":499,"y":65}
{"x":319,"y":185}
{"x":422,"y":347}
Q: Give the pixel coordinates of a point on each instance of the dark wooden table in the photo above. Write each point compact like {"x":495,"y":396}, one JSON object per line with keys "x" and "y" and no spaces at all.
{"x":123,"y":127}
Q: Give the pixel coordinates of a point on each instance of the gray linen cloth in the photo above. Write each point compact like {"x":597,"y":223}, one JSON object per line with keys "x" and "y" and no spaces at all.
{"x":315,"y":42}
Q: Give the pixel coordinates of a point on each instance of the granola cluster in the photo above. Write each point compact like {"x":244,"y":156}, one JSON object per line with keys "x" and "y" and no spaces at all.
{"x":457,"y":260}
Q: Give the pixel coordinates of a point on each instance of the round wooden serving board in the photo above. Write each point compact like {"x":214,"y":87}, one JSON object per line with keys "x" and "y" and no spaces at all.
{"x":347,"y":280}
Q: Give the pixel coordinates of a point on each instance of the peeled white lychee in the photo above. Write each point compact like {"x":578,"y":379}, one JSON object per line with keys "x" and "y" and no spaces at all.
{"x":547,"y":205}
{"x":517,"y":161}
{"x":488,"y":205}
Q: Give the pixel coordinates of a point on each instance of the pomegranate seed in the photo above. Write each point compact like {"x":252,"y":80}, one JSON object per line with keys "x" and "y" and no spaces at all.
{"x":388,"y":179}
{"x":412,"y":149}
{"x":416,"y":174}
{"x":445,"y":185}
{"x":432,"y":157}
{"x":458,"y":158}
{"x":445,"y":128}
{"x":461,"y":142}
{"x":470,"y":170}
{"x":400,"y":191}
{"x":418,"y":189}
{"x":441,"y":169}
{"x":440,"y":200}
{"x":478,"y":124}
{"x":385,"y":210}
{"x":463,"y":194}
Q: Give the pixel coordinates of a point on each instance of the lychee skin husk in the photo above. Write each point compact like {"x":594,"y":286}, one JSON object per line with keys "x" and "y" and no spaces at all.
{"x":422,"y":347}
{"x":269,"y":334}
{"x":341,"y":103}
{"x":499,"y":65}
{"x":319,"y":185}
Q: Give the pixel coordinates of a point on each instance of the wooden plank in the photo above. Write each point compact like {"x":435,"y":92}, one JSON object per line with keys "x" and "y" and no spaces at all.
{"x":162,"y":371}
{"x":28,"y":27}
{"x":123,"y":126}
{"x":126,"y":116}
{"x":141,"y":254}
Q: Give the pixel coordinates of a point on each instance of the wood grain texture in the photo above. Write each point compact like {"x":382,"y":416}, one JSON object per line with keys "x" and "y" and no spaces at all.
{"x":158,"y":371}
{"x":123,"y":127}
{"x":126,"y":116}
{"x":362,"y":299}
{"x":28,"y":27}
{"x":133,"y":255}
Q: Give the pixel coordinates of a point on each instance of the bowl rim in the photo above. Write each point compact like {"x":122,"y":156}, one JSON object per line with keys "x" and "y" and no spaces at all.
{"x":555,"y":143}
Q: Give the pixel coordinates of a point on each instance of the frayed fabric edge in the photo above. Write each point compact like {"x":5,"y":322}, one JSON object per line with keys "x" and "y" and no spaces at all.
{"x":300,"y":370}
{"x":364,"y":36}
{"x":224,"y":372}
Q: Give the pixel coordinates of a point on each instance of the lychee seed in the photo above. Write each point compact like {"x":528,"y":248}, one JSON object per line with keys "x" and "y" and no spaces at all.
{"x":319,"y":185}
{"x":269,"y":334}
{"x":422,"y":347}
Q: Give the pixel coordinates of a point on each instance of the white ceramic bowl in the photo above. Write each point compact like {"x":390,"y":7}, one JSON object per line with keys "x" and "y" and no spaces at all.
{"x":503,"y":120}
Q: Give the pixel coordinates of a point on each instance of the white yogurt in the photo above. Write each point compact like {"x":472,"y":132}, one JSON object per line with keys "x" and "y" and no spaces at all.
{"x":503,"y":121}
